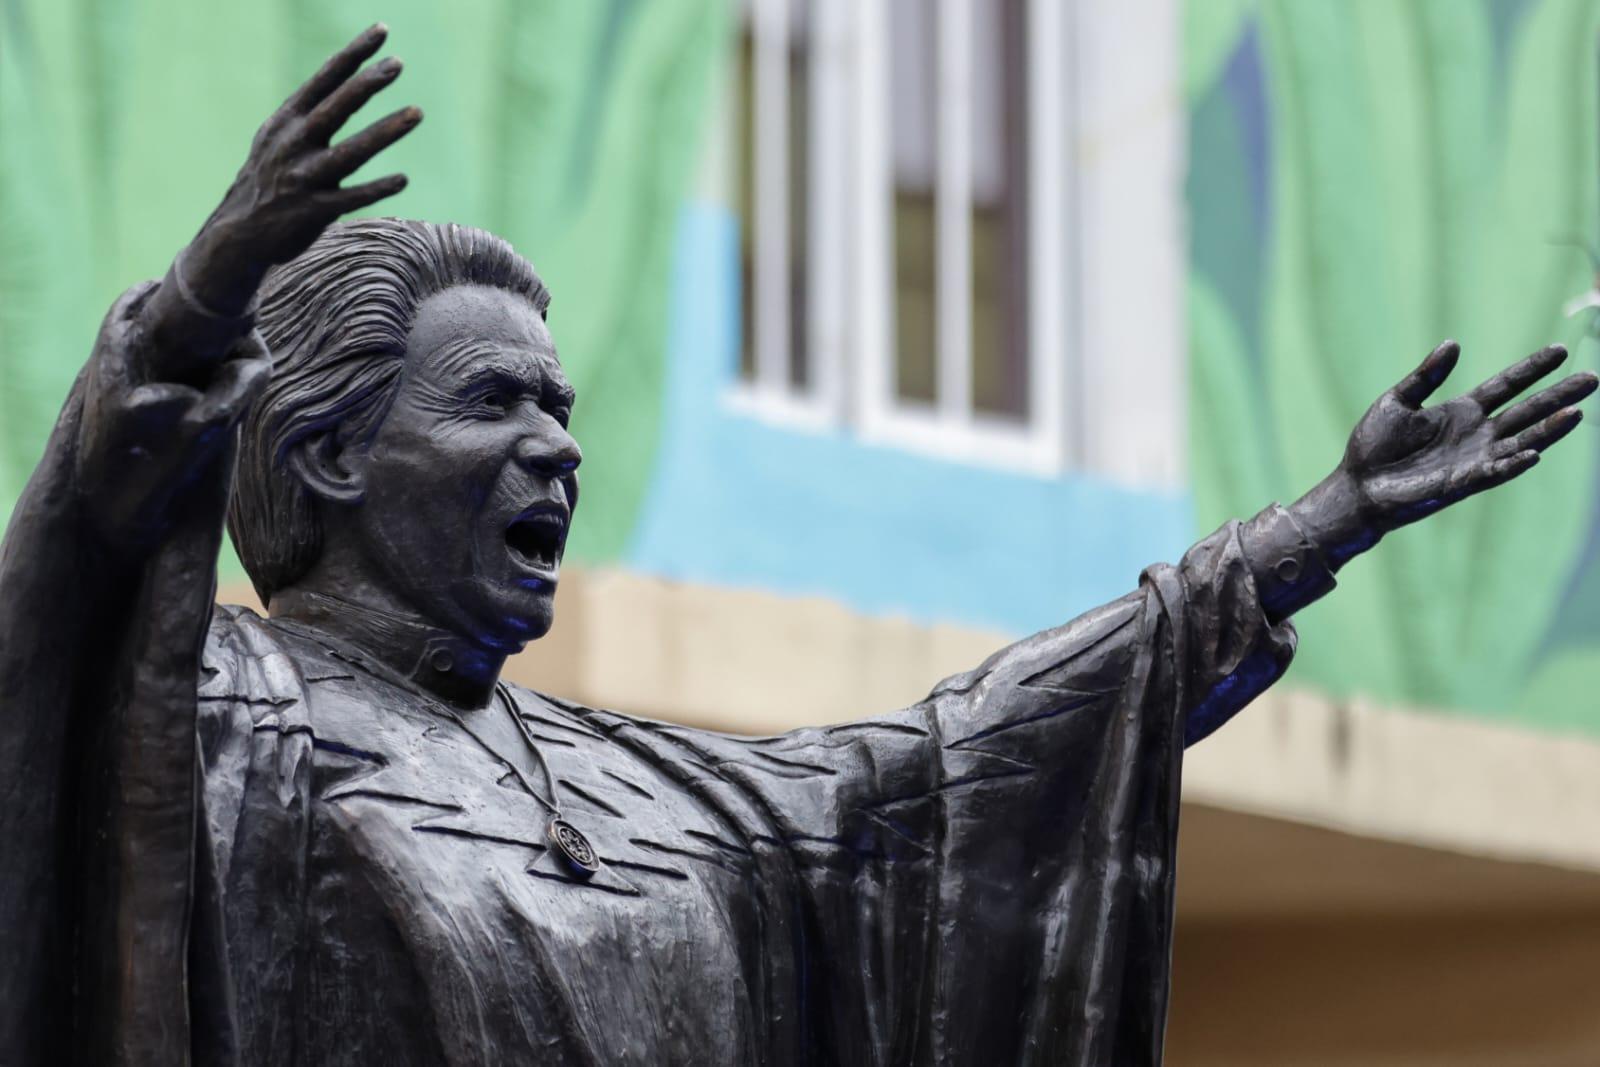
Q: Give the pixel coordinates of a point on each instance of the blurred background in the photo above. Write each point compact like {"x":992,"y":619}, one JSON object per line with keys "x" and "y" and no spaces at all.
{"x":905,"y":327}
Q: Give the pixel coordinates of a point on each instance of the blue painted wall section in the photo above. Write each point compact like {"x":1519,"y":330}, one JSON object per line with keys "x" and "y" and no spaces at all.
{"x":736,"y":501}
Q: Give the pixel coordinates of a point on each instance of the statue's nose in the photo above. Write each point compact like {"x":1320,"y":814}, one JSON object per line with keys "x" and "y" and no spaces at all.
{"x":551,"y":454}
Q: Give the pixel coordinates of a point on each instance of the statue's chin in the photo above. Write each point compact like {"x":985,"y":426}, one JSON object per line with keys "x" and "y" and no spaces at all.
{"x":506,"y":615}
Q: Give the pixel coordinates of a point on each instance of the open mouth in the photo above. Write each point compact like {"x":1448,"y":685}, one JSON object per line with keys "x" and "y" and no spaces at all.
{"x":536,"y":539}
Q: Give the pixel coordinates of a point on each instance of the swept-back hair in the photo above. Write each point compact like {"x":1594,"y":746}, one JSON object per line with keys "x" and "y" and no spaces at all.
{"x":336,"y":319}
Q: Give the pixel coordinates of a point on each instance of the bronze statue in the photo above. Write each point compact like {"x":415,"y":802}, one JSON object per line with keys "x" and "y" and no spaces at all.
{"x":333,"y":836}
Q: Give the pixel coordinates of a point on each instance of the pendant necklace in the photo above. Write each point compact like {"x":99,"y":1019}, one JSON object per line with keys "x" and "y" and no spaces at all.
{"x":570,"y":843}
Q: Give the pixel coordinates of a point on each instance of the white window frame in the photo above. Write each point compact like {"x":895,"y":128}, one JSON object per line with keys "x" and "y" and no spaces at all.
{"x":851,"y":350}
{"x":951,"y":428}
{"x":769,"y":394}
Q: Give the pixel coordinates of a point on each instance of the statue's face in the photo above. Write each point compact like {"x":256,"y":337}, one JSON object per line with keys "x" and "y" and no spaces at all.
{"x":470,"y":481}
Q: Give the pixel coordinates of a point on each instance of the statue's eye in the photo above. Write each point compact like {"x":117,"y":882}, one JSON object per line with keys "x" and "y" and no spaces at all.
{"x":563,"y":415}
{"x":494,"y":402}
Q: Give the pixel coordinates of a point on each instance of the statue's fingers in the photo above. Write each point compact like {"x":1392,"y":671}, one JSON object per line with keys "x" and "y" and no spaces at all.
{"x":346,"y":157}
{"x":235,"y":385}
{"x":1517,"y":377}
{"x":1417,"y":386}
{"x":334,"y":111}
{"x":337,"y":69}
{"x":155,"y":407}
{"x":355,"y":197}
{"x":1544,"y":403}
{"x":1502,"y":470}
{"x":1541,"y":435}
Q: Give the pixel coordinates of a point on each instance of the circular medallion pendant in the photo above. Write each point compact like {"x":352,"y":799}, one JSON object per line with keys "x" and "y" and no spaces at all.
{"x":573,"y":847}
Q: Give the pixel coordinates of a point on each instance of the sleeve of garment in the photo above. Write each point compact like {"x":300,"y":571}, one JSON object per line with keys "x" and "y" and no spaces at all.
{"x":246,"y":950}
{"x":102,"y":616}
{"x":988,"y":876}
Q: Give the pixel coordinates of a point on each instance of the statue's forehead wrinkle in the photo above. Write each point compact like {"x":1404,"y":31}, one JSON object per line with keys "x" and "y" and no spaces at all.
{"x":469,"y":357}
{"x":462,"y":324}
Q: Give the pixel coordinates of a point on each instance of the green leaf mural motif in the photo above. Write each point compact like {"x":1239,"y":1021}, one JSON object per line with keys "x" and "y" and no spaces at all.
{"x":1419,"y":168}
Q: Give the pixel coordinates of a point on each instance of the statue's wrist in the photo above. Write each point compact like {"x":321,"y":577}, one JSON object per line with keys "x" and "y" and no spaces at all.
{"x":187,"y":332}
{"x":1287,"y":566}
{"x":218,"y":278}
{"x":1334,"y":517}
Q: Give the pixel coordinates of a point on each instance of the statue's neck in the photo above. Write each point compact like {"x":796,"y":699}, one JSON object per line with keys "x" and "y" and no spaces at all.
{"x":442,"y":663}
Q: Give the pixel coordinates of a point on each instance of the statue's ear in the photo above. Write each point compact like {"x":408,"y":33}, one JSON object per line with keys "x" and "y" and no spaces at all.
{"x":332,"y":472}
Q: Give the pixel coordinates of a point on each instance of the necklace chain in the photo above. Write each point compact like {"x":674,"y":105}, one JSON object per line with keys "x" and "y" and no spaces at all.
{"x":554,"y":803}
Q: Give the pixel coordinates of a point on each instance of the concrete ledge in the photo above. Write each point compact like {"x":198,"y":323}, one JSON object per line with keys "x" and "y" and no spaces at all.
{"x":1428,"y":778}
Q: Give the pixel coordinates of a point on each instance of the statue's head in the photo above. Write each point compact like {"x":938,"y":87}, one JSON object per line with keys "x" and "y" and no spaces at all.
{"x":411,"y":446}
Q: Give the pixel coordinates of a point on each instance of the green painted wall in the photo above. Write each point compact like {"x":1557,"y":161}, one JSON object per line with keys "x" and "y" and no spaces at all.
{"x":1367,"y":178}
{"x":567,"y":126}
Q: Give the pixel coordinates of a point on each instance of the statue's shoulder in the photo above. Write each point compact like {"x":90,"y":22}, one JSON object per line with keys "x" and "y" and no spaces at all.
{"x":248,"y":661}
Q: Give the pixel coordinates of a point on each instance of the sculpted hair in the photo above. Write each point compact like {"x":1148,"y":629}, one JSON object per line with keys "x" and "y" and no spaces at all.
{"x":336,"y":319}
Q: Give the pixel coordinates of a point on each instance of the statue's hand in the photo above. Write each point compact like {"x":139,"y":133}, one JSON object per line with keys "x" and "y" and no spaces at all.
{"x":1405,"y":462}
{"x":288,"y":190}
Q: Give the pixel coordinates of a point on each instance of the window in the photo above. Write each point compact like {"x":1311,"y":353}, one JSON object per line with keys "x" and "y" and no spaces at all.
{"x":974,"y":237}
{"x":902,"y":198}
{"x":772,"y":192}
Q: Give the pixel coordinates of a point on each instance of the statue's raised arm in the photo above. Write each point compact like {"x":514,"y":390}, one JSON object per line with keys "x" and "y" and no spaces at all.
{"x":106,"y":580}
{"x":187,"y":368}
